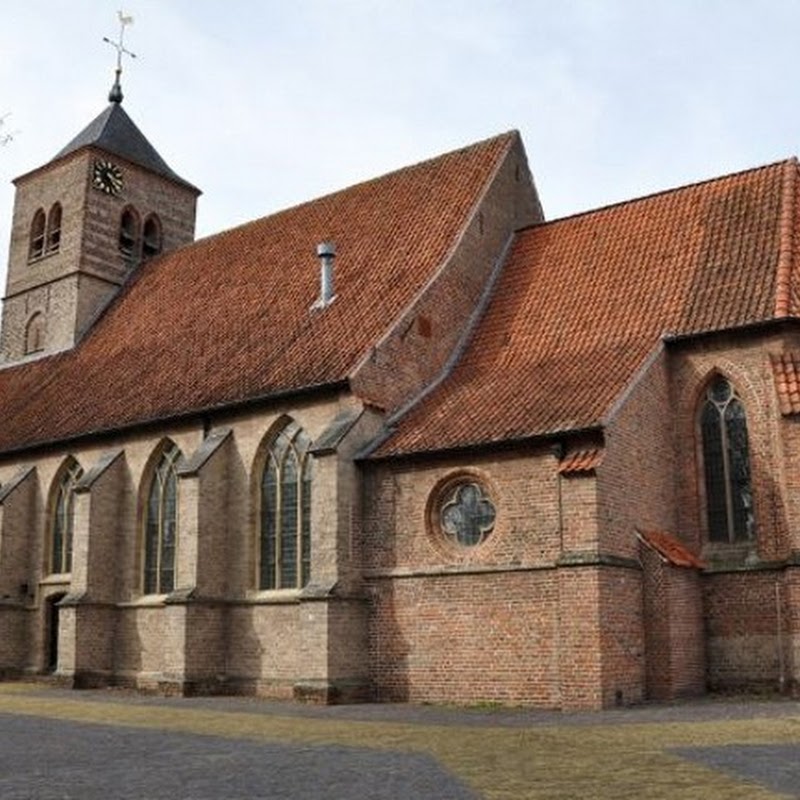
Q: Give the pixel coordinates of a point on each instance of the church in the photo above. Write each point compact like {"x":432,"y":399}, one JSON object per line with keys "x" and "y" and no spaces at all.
{"x":409,"y":441}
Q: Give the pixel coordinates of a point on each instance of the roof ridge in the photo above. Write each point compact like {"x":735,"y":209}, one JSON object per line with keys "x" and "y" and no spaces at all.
{"x":509,"y":134}
{"x":631,"y":200}
{"x":783,"y":278}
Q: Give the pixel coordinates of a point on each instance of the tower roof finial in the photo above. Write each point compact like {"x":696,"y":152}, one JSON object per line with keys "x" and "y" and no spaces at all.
{"x":115,"y":95}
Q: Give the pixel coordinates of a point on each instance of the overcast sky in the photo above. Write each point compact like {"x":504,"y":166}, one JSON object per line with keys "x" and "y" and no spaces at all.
{"x":266,"y":104}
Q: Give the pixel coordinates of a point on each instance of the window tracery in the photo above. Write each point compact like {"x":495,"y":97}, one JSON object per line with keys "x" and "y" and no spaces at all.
{"x":161,"y":525}
{"x":726,"y":463}
{"x":63,"y":519}
{"x":285,"y":529}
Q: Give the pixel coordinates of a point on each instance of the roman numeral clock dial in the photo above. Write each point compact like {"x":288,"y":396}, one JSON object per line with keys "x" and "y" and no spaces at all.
{"x":107,"y":177}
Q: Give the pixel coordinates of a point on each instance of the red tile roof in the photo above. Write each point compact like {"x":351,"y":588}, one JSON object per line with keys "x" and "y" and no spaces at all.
{"x":228,"y":318}
{"x":671,"y":549}
{"x":786,"y":371}
{"x":581,"y":462}
{"x":583,"y":301}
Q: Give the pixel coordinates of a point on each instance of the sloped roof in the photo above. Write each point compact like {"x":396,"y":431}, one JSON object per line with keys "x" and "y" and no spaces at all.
{"x":229,"y":319}
{"x":671,"y":549}
{"x":583,"y":301}
{"x":115,"y":132}
{"x":581,"y":462}
{"x":786,"y":372}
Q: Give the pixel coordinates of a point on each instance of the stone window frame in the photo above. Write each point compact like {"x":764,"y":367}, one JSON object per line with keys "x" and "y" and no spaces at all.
{"x":728,"y":512}
{"x":129,"y":239}
{"x":53,"y":234}
{"x":152,"y":237}
{"x":37,"y":236}
{"x":160,"y":522}
{"x":279,"y":566}
{"x":445,"y":494}
{"x":44,"y":238}
{"x":62,"y":518}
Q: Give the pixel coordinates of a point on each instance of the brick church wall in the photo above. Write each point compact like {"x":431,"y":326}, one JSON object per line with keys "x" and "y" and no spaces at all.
{"x":486,"y":637}
{"x":743,"y":650}
{"x":674,"y":632}
{"x":499,"y":601}
{"x":420,"y":343}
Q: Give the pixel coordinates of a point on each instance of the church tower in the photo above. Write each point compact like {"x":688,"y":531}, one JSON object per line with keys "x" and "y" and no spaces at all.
{"x":82,"y":224}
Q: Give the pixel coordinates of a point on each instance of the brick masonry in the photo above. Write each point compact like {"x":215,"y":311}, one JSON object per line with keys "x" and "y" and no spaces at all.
{"x":561,"y":606}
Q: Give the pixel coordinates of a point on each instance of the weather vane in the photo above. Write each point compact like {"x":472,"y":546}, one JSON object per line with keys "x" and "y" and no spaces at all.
{"x":115,"y":95}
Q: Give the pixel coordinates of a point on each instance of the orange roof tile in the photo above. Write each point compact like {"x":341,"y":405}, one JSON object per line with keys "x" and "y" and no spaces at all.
{"x":786,"y":372}
{"x":229,"y":318}
{"x":671,"y":549}
{"x":581,"y":462}
{"x":583,"y":301}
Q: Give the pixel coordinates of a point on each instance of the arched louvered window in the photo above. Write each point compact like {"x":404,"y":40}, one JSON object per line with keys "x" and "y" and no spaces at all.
{"x":726,"y":462}
{"x":151,"y":237}
{"x":161,"y":525}
{"x":285,"y":551}
{"x":54,"y":229}
{"x":62,"y":520}
{"x":129,"y":234}
{"x":36,"y":245}
{"x":34,"y":333}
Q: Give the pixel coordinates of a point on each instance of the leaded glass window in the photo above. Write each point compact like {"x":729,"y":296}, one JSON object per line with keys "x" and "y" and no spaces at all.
{"x":161,"y":525}
{"x":285,"y":540}
{"x":467,"y":514}
{"x":62,"y":522}
{"x":726,"y":461}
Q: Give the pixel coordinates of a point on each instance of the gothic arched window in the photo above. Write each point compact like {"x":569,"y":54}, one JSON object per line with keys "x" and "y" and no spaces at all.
{"x":161,"y":525}
{"x":34,"y":333}
{"x":129,"y":234}
{"x":36,"y":244}
{"x":726,"y":463}
{"x":62,"y":519}
{"x":151,"y":237}
{"x":285,"y":531}
{"x":54,"y":228}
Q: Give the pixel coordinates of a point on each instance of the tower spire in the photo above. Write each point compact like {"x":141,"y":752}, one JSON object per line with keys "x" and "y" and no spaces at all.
{"x":115,"y":95}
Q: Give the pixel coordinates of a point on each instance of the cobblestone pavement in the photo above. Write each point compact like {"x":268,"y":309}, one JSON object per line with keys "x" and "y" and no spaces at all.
{"x":61,"y":745}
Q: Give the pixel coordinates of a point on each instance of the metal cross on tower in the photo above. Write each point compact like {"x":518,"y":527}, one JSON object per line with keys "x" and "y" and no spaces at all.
{"x":115,"y":95}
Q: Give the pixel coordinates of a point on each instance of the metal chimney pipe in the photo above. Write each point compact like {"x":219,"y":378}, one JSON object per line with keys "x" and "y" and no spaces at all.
{"x":326,"y":251}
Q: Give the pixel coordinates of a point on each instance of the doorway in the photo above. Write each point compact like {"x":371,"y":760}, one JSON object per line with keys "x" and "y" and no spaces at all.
{"x":52,"y":614}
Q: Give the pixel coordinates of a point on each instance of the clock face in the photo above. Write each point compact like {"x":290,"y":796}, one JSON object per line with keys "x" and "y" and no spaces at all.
{"x":107,"y":177}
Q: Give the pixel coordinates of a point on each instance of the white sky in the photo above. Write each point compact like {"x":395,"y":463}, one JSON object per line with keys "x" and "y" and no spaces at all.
{"x":266,"y":104}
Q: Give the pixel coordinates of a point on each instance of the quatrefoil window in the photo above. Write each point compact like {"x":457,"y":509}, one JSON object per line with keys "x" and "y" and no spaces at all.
{"x":467,"y":514}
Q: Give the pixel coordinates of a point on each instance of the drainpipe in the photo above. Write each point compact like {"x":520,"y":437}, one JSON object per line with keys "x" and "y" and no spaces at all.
{"x":779,"y":624}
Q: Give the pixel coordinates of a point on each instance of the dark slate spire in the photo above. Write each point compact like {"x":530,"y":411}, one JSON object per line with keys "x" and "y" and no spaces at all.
{"x":115,"y":132}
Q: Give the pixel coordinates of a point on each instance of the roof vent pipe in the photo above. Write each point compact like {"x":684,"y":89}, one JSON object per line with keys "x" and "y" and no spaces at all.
{"x":326,"y":251}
